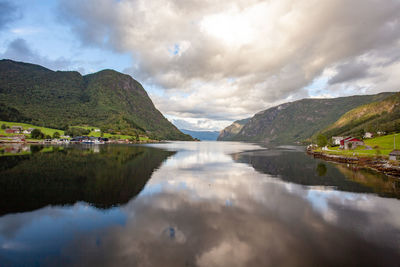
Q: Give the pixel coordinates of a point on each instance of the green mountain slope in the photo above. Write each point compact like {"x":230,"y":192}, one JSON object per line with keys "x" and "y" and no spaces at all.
{"x":229,"y":132}
{"x":296,"y":121}
{"x":382,"y":115}
{"x":58,"y":99}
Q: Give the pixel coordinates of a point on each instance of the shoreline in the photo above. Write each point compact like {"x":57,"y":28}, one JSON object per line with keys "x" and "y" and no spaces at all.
{"x":30,"y":142}
{"x":380,"y":165}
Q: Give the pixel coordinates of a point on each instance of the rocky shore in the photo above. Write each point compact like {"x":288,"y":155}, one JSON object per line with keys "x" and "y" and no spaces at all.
{"x":378,"y":164}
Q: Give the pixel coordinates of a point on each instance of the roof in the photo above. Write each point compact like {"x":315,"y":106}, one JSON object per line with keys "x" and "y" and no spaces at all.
{"x":395,"y":152}
{"x":353,"y":140}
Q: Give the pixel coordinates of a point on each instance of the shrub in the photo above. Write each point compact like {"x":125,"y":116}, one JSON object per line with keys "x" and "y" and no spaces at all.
{"x":56,"y":135}
{"x":37,"y":134}
{"x":321,"y":140}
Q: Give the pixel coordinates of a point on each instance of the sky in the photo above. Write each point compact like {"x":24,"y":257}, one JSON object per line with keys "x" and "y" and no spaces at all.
{"x":207,"y":63}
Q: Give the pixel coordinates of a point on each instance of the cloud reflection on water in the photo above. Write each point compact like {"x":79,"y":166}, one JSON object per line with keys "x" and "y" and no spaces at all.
{"x":201,"y":208}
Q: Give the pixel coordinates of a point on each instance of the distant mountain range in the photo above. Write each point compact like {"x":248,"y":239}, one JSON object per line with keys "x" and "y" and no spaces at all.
{"x":296,"y":121}
{"x":202,"y":135}
{"x":57,"y":99}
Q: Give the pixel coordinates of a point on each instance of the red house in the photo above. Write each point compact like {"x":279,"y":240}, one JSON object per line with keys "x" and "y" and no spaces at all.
{"x":12,"y":131}
{"x":350,"y":143}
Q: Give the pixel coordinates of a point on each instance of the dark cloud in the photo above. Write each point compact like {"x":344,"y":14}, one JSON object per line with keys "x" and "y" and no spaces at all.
{"x":19,"y":50}
{"x":349,"y":71}
{"x":8,"y":13}
{"x":241,"y":55}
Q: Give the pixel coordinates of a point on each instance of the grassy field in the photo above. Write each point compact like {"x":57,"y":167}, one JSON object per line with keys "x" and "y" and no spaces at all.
{"x":46,"y":131}
{"x":49,"y":131}
{"x":108,"y":135}
{"x":381,"y":146}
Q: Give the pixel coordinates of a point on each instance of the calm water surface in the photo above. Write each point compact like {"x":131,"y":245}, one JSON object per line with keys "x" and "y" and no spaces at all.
{"x":194,"y":204}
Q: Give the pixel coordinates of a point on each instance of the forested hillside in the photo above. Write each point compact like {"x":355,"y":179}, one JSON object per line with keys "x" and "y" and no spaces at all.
{"x":299,"y":120}
{"x":57,"y":99}
{"x":380,"y":116}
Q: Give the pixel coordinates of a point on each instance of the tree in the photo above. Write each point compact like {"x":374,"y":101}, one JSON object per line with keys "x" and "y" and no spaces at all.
{"x":37,"y":134}
{"x":321,"y":140}
{"x":321,"y":169}
{"x":48,"y":136}
{"x":3,"y":126}
{"x":361,"y":133}
{"x":76,"y":131}
{"x":56,"y":135}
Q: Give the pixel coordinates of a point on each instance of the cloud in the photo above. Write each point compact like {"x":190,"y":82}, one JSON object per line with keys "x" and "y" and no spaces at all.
{"x":19,"y":50}
{"x":8,"y":13}
{"x":229,"y":59}
{"x":199,"y":124}
{"x":349,"y":71}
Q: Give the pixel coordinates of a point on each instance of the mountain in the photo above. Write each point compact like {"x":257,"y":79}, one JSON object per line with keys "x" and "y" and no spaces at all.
{"x":229,"y":132}
{"x":57,"y":99}
{"x":202,"y":135}
{"x":297,"y":121}
{"x":381,"y":115}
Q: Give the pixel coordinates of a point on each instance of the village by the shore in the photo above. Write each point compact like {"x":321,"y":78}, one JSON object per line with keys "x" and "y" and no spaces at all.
{"x":19,"y":135}
{"x":354,"y":151}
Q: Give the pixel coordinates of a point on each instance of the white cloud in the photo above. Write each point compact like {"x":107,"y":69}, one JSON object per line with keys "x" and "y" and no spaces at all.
{"x":225,"y":60}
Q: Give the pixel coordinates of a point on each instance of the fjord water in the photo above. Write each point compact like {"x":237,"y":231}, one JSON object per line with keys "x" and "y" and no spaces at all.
{"x":194,"y":204}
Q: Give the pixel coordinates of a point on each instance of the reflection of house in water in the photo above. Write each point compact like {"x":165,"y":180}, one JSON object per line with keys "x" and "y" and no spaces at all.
{"x":96,"y":149}
{"x":16,"y":148}
{"x":298,"y":167}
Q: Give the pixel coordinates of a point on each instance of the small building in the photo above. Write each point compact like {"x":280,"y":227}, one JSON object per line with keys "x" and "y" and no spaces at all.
{"x":96,"y":130}
{"x":381,"y":133}
{"x":28,"y":131}
{"x":368,"y":135}
{"x":16,"y":129}
{"x":350,"y":143}
{"x":394,"y":155}
{"x":336,"y":140}
{"x":12,"y":131}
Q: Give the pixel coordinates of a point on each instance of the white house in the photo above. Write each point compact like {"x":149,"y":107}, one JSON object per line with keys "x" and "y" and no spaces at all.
{"x":368,"y":135}
{"x":336,"y":140}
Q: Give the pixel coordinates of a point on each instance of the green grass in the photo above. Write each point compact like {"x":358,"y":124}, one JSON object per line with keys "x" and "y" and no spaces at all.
{"x":49,"y":131}
{"x":46,"y":131}
{"x":383,"y":144}
{"x":108,"y":135}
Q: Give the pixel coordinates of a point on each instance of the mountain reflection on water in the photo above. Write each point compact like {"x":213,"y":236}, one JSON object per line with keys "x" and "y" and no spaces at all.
{"x":214,"y":204}
{"x":293,"y":165}
{"x":103,"y":176}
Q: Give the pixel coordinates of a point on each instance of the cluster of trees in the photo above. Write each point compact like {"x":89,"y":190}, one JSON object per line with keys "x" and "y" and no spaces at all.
{"x":76,"y":131}
{"x":38,"y":134}
{"x":322,"y":140}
